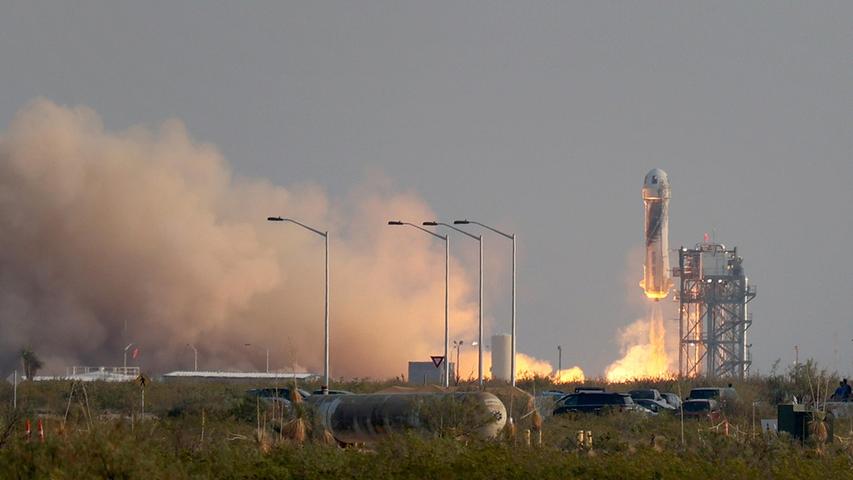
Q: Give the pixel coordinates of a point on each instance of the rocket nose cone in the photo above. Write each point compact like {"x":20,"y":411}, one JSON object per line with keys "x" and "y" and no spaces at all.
{"x":655,"y":178}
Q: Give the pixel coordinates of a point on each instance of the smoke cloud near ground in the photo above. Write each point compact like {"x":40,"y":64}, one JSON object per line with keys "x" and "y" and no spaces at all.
{"x":146,"y":236}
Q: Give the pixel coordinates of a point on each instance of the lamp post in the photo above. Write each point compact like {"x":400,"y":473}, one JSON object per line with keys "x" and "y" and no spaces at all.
{"x":479,"y":239}
{"x":268,"y":355}
{"x":512,"y":329}
{"x":195,"y":356}
{"x":446,"y":239}
{"x":125,"y":357}
{"x":325,"y":235}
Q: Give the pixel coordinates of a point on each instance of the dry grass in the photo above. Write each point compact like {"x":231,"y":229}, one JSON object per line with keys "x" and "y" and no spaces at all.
{"x":212,"y":430}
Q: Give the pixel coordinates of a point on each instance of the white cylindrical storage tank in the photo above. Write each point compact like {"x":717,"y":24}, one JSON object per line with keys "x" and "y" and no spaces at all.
{"x":501,"y":353}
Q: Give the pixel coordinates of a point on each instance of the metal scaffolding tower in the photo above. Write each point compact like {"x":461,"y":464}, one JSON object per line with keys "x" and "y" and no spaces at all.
{"x":713,"y":315}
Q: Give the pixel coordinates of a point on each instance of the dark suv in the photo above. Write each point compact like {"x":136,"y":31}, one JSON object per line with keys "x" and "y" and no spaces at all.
{"x":594,"y":402}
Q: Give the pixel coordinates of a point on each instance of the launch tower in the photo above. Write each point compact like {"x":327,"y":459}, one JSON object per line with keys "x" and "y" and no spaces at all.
{"x":713,"y":316}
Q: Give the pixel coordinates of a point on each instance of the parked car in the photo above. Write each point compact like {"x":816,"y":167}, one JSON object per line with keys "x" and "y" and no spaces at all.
{"x":588,"y":389}
{"x":723,"y":395}
{"x":702,"y":408}
{"x":647,"y":393}
{"x":656,"y":406}
{"x":596,"y":402}
{"x":672,"y":399}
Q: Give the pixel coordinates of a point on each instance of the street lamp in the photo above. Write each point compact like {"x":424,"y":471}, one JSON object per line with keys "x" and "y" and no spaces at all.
{"x":268,"y":354}
{"x":195,"y":356}
{"x":446,"y":239}
{"x":479,"y":239}
{"x":512,"y":334}
{"x":125,"y":357}
{"x":325,"y":235}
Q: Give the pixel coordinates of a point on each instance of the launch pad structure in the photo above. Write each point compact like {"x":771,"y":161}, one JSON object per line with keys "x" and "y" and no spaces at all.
{"x":713,"y":314}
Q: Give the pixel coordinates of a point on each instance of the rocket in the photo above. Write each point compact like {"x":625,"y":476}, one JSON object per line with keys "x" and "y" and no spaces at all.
{"x":656,"y":277}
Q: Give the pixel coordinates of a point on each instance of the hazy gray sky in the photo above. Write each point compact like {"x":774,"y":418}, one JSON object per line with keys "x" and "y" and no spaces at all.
{"x":538,"y":117}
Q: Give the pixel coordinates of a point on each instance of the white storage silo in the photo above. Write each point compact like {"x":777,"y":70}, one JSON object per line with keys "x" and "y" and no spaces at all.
{"x":501,"y":353}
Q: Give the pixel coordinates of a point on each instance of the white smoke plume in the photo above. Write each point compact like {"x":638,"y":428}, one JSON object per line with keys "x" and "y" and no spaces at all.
{"x":151,"y":229}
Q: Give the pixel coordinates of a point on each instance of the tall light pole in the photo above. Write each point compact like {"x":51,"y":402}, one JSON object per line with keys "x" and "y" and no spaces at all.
{"x":479,"y":239}
{"x":195,"y":356}
{"x":512,"y":328}
{"x":446,"y":239}
{"x":268,"y":354}
{"x":325,"y":235}
{"x":125,"y":357}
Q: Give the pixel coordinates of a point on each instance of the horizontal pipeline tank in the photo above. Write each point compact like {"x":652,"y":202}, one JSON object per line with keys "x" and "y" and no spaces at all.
{"x":656,"y":192}
{"x":362,"y":418}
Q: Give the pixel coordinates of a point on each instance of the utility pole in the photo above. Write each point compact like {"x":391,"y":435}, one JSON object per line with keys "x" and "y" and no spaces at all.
{"x":458,"y":345}
{"x":559,"y":358}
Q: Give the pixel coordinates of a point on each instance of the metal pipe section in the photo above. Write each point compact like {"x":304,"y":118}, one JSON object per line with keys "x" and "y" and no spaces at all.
{"x":363,"y":418}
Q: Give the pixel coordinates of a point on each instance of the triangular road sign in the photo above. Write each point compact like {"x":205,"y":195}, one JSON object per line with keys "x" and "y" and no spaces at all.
{"x":437,"y":359}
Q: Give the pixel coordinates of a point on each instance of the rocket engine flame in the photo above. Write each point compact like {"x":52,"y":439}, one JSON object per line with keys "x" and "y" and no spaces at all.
{"x":644,"y":346}
{"x":570,"y":375}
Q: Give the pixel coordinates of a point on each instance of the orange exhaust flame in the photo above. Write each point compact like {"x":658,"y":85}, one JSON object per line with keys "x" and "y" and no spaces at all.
{"x":526,"y":366}
{"x":654,"y":294}
{"x":644,"y":343}
{"x":570,"y":375}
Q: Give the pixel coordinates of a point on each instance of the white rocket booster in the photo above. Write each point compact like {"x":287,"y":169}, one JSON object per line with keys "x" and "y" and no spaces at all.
{"x":656,"y":277}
